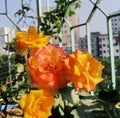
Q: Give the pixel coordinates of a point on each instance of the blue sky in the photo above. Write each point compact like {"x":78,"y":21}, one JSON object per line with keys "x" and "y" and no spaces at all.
{"x":98,"y":22}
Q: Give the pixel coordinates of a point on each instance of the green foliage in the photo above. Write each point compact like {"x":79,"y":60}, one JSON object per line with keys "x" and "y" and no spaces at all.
{"x":108,"y":98}
{"x":107,"y":72}
{"x":10,"y":46}
{"x":107,"y":66}
{"x":13,"y":82}
{"x":117,"y":66}
{"x":51,"y":23}
{"x":68,"y":94}
{"x":67,"y":100}
{"x":109,"y":95}
{"x":24,"y":9}
{"x":4,"y":69}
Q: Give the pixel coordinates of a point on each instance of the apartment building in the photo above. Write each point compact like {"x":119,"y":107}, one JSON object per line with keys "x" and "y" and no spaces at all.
{"x":82,"y":43}
{"x":104,"y":46}
{"x":116,"y":23}
{"x":6,"y":35}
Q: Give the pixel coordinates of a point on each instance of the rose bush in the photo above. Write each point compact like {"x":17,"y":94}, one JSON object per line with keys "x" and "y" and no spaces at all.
{"x":49,"y":68}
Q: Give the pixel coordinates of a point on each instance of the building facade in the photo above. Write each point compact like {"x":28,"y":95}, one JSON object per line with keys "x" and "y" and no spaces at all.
{"x":104,"y":46}
{"x":95,"y":43}
{"x":82,"y":43}
{"x":116,"y":23}
{"x":6,"y":35}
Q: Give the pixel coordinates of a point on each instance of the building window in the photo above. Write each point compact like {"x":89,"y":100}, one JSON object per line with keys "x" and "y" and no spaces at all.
{"x":81,"y":41}
{"x":82,"y":46}
{"x":100,"y":46}
{"x":104,"y":51}
{"x":103,"y":38}
{"x":65,"y":31}
{"x":65,"y":26}
{"x":117,"y":50}
{"x":108,"y":45}
{"x":116,"y":56}
{"x":99,"y":40}
{"x":100,"y":52}
{"x":103,"y":45}
{"x":93,"y":45}
{"x":93,"y":51}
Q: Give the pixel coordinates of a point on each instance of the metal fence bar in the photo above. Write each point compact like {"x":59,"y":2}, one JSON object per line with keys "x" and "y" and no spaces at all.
{"x":60,"y":43}
{"x":48,"y":5}
{"x":98,"y":7}
{"x":88,"y":37}
{"x":6,"y":10}
{"x":39,"y":10}
{"x":110,"y":35}
{"x":9,"y":58}
{"x":72,"y":40}
{"x":88,"y":25}
{"x":71,"y":34}
{"x":9,"y":54}
{"x":13,"y":22}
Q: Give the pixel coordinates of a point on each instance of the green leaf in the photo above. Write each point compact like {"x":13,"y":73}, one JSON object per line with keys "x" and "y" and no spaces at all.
{"x":77,"y":5}
{"x":69,"y":94}
{"x":20,"y":68}
{"x":60,"y":40}
{"x":71,"y":13}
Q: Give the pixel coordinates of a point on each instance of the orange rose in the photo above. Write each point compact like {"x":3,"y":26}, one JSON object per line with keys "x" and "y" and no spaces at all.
{"x":37,"y":104}
{"x":86,"y":70}
{"x":48,"y":68}
{"x":31,"y":39}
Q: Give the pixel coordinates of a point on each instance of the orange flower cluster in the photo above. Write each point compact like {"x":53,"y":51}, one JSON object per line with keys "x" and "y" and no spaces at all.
{"x":37,"y":104}
{"x":86,"y":70}
{"x":50,"y":68}
{"x":30,"y":39}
